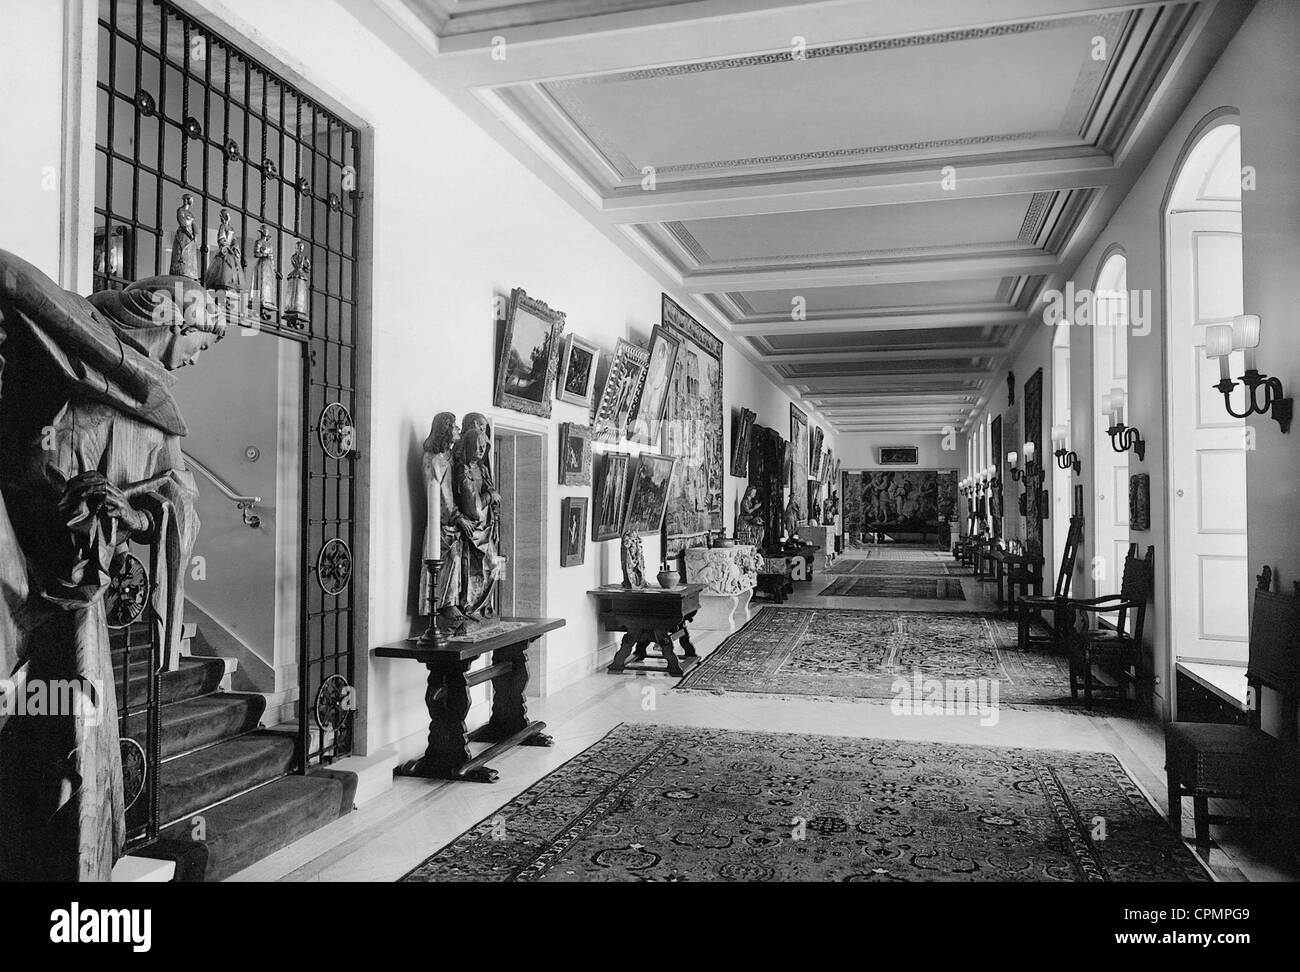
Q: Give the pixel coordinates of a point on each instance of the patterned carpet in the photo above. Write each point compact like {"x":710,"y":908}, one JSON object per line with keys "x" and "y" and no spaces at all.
{"x":658,"y":803}
{"x":892,"y":568}
{"x":920,"y":588}
{"x":844,"y":654}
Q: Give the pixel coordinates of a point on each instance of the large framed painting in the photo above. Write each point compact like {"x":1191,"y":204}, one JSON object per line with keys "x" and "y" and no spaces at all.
{"x":610,"y":496}
{"x":1004,"y":475}
{"x":815,"y":454}
{"x":612,"y":414}
{"x":573,"y":531}
{"x":648,"y":413}
{"x":530,"y":355}
{"x":898,"y":455}
{"x":693,"y":433}
{"x":577,"y":370}
{"x":742,"y":429}
{"x":649,"y":496}
{"x":575,"y":455}
{"x":798,"y":452}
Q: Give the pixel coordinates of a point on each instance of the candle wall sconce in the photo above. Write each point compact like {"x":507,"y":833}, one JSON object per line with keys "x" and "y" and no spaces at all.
{"x":1065,"y":458}
{"x":1243,"y":335}
{"x":1123,"y":438}
{"x":1017,"y":473}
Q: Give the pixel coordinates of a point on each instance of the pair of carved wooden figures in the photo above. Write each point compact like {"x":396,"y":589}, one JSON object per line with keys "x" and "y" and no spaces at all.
{"x":458,"y":479}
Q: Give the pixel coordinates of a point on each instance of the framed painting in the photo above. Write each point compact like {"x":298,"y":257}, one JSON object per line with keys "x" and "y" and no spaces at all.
{"x":575,"y":454}
{"x":612,"y":414}
{"x":648,"y":412}
{"x":1139,"y":501}
{"x":649,"y":495}
{"x":742,"y":429}
{"x":898,"y":455}
{"x":610,"y":496}
{"x":799,"y":446}
{"x":573,"y":531}
{"x":815,"y":453}
{"x":530,"y":355}
{"x":578,"y":361}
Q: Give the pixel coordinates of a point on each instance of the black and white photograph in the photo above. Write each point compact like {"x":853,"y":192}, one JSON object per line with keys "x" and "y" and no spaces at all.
{"x":599,"y":443}
{"x":648,"y":495}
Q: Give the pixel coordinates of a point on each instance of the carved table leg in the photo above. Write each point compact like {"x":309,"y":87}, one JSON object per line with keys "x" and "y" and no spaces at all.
{"x":509,"y":708}
{"x":664,"y":638}
{"x":447,"y":699}
{"x":688,"y":649}
{"x":624,"y":649}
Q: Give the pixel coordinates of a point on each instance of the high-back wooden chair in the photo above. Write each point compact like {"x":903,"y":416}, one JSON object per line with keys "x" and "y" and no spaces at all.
{"x":1031,"y":606}
{"x":1205,"y":759}
{"x":1112,"y":645}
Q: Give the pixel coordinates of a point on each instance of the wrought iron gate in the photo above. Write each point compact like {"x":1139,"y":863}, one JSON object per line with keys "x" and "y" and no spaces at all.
{"x":182,"y":111}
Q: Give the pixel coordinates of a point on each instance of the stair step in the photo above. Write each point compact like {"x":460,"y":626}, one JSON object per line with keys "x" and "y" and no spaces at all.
{"x":194,"y":723}
{"x":193,"y":678}
{"x":190,"y":783}
{"x":250,"y":827}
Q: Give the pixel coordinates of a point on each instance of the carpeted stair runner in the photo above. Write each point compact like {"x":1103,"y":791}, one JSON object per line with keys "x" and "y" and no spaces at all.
{"x":225,"y":797}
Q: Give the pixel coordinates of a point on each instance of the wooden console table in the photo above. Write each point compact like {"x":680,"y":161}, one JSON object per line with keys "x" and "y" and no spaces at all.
{"x":447,"y":697}
{"x":649,"y":615}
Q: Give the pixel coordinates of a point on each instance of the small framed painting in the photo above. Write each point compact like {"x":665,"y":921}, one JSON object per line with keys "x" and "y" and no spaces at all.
{"x":573,"y":531}
{"x":649,"y":497}
{"x":530,"y":355}
{"x":1139,"y":502}
{"x":575,"y":454}
{"x":898,"y":455}
{"x":578,"y":362}
{"x":611,"y":496}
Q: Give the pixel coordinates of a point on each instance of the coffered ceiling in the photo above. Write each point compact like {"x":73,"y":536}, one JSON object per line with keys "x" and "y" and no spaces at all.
{"x":866,"y":197}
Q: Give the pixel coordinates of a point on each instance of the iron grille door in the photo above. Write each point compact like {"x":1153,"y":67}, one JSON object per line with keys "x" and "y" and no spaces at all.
{"x":181,"y":110}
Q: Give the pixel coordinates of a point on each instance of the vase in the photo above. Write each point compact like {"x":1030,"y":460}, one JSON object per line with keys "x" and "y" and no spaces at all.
{"x":669,"y":579}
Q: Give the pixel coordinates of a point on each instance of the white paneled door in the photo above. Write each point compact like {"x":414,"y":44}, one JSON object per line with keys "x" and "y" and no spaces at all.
{"x":1208,"y":446}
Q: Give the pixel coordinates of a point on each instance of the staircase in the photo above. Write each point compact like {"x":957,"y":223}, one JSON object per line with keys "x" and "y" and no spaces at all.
{"x":227,"y":797}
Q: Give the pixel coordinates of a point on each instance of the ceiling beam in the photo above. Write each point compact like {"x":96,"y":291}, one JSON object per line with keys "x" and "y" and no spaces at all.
{"x":868,"y":272}
{"x":885,"y":354}
{"x":768,"y":326}
{"x":1080,"y":168}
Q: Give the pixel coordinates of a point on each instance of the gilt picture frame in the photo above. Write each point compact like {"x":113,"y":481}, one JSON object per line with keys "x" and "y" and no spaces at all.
{"x":530,"y":355}
{"x":649,"y":409}
{"x":611,"y":416}
{"x":579,"y":359}
{"x":573,"y":531}
{"x":575,"y":454}
{"x":648,"y":498}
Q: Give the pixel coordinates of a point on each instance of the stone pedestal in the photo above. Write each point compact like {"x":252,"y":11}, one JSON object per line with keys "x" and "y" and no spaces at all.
{"x":729,"y":575}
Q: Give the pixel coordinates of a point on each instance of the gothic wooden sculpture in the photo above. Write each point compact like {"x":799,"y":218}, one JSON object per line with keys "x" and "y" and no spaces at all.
{"x":89,"y":458}
{"x":445,"y":520}
{"x":749,"y":522}
{"x":632,"y":560}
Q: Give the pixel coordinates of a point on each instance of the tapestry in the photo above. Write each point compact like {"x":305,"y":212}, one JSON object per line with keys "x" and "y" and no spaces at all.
{"x":918,"y":588}
{"x":902,"y":500}
{"x":837,"y":653}
{"x":798,"y":456}
{"x":693,"y":432}
{"x":914,"y":568}
{"x":669,"y":803}
{"x":1034,"y":511}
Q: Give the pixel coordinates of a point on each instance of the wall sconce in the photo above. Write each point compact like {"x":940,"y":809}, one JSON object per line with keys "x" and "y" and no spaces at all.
{"x":1122,"y":437}
{"x":1017,"y":474}
{"x":991,"y":478}
{"x":1243,"y":335}
{"x":1065,"y":458}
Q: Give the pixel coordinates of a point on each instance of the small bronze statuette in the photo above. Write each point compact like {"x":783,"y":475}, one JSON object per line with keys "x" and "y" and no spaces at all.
{"x":263,"y":274}
{"x":225,"y":273}
{"x":297,"y":288}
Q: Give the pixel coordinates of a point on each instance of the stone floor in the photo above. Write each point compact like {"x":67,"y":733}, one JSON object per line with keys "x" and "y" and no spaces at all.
{"x":396,"y":831}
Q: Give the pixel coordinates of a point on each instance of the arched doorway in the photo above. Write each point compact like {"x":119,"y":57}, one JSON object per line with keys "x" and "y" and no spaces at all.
{"x":1109,"y":372}
{"x":1209,"y":572}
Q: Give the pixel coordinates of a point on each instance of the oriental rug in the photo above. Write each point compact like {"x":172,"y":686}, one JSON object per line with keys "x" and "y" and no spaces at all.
{"x":893,"y":568}
{"x":661,"y":803}
{"x":836,"y":653}
{"x":919,"y":588}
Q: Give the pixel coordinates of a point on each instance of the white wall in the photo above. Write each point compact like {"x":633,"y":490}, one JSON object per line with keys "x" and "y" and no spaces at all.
{"x":457,"y":222}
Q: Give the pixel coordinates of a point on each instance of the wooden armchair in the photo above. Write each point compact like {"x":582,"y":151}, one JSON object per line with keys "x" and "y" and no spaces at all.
{"x":1112,"y":645}
{"x":1031,"y":606}
{"x":1205,"y":759}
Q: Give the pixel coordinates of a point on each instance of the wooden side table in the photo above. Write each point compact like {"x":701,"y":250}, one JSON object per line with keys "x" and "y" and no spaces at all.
{"x":650,"y":615}
{"x":447,"y":697}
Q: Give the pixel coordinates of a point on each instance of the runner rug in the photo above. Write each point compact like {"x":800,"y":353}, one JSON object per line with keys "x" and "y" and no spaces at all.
{"x":659,"y":803}
{"x":892,"y":568}
{"x":920,"y":588}
{"x":845,"y":654}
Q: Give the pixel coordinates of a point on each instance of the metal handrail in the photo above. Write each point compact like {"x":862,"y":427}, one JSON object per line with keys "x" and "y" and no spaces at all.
{"x":242,"y":503}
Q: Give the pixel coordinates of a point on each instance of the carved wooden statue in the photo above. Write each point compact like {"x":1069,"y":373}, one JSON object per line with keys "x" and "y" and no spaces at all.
{"x":297,"y":287}
{"x":749,"y":522}
{"x":632,"y":560}
{"x":226,"y":268}
{"x":793,"y":516}
{"x":263,"y":273}
{"x":185,"y":243}
{"x":437,"y":462}
{"x":479,"y":506}
{"x":89,"y":458}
